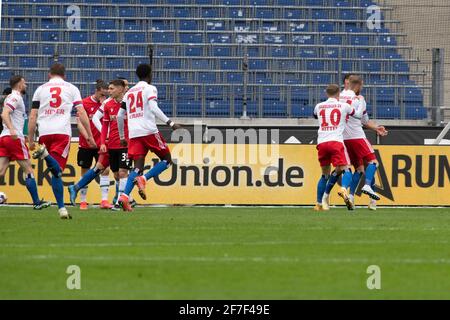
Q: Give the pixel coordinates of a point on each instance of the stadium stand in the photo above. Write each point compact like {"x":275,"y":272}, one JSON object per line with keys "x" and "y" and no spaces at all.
{"x":294,"y":47}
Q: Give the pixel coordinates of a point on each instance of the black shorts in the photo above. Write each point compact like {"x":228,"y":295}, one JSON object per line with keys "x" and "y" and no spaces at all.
{"x":118,"y":159}
{"x":85,"y":157}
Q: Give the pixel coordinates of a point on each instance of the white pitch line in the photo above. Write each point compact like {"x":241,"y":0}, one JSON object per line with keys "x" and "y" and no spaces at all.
{"x":236,"y":259}
{"x":215,"y":243}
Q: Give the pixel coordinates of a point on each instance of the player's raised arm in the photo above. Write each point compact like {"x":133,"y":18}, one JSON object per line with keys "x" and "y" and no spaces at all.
{"x":161,"y":115}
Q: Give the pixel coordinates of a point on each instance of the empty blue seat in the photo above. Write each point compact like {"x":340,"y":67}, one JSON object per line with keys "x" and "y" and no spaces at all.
{"x":163,"y":37}
{"x":194,"y":51}
{"x":127,"y":12}
{"x":107,"y":37}
{"x":189,"y":108}
{"x":191,"y":38}
{"x":359,"y":40}
{"x":188,"y":25}
{"x":326,"y":27}
{"x":166,"y":106}
{"x":114,"y":63}
{"x":108,"y":50}
{"x":229,"y":64}
{"x":137,"y":50}
{"x":22,"y":24}
{"x":415,"y":113}
{"x":275,"y":109}
{"x":78,"y":36}
{"x":221,"y":51}
{"x":200,"y":64}
{"x":44,"y":11}
{"x":315,"y":65}
{"x":207,"y":77}
{"x":28,"y":62}
{"x":210,"y":13}
{"x":218,"y":109}
{"x":172,"y":64}
{"x":388,"y":112}
{"x":181,"y":13}
{"x":97,"y":11}
{"x":21,"y":49}
{"x":155,"y":12}
{"x":134,"y":37}
{"x":348,"y":15}
{"x":264,"y":13}
{"x":86,"y":63}
{"x":106,"y":24}
{"x":234,"y":77}
{"x":15,"y":10}
{"x":50,"y":36}
{"x":186,"y":92}
{"x":302,"y":111}
{"x":332,"y":40}
{"x":131,"y":25}
{"x":21,"y":36}
{"x":385,"y":95}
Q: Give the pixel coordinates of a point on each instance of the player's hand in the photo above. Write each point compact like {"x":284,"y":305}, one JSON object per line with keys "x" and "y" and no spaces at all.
{"x":13,"y":134}
{"x":123,"y":142}
{"x":103,"y":148}
{"x":176,"y":126}
{"x":381,"y":131}
{"x":32,"y":145}
{"x":91,"y":142}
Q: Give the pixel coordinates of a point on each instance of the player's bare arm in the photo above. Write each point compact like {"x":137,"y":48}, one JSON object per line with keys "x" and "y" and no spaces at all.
{"x":161,"y":116}
{"x":380,"y":130}
{"x":32,"y":120}
{"x":82,"y":130}
{"x":84,"y":119}
{"x":6,"y":117}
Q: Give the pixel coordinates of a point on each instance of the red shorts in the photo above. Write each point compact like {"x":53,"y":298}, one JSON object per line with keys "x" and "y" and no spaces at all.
{"x":14,"y":149}
{"x":333,"y":152}
{"x":360,"y":151}
{"x":139,"y":147}
{"x":58,"y":146}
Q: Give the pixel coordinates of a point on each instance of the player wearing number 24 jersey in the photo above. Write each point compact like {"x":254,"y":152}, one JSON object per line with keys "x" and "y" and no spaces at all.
{"x":332,"y":115}
{"x":140,"y":107}
{"x":51,"y":111}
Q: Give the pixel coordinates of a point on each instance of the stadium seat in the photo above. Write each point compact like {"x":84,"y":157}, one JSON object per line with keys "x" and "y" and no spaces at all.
{"x":293,"y":45}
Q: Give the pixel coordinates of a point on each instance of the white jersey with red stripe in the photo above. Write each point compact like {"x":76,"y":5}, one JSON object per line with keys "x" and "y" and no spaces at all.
{"x":354,"y":128}
{"x":56,"y":100}
{"x":14,"y":101}
{"x":142,"y":110}
{"x":332,"y":115}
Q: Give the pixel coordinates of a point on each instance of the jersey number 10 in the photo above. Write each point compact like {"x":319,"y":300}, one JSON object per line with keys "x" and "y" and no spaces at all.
{"x":335,"y":117}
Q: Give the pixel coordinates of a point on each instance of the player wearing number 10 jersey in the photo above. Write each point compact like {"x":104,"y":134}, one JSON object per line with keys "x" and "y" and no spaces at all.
{"x":51,"y":110}
{"x":141,"y":109}
{"x":332,"y":115}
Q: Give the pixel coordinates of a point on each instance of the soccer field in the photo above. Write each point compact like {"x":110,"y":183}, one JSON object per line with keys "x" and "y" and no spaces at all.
{"x":225,"y":253}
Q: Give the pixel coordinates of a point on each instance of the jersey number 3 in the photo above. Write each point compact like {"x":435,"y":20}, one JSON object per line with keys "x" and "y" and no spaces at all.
{"x":335,"y":117}
{"x":56,"y":97}
{"x":136,"y":102}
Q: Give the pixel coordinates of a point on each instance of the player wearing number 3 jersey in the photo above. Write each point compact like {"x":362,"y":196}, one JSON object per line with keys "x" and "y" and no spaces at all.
{"x":332,"y":115}
{"x":51,"y":111}
{"x":141,"y":110}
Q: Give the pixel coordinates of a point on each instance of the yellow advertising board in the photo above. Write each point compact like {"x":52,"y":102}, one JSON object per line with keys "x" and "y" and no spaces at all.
{"x":262,"y":175}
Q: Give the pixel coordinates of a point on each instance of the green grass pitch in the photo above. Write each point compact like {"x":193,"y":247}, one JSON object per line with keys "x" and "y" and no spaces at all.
{"x":225,"y":253}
